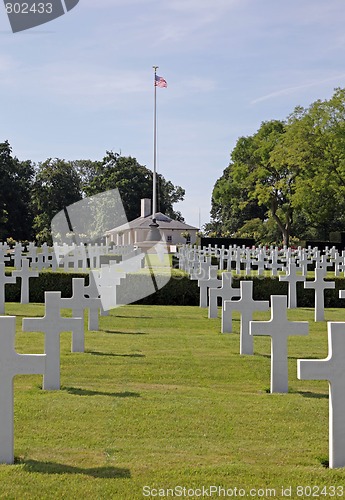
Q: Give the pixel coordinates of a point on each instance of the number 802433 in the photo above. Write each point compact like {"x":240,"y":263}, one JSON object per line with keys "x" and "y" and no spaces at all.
{"x":25,"y":8}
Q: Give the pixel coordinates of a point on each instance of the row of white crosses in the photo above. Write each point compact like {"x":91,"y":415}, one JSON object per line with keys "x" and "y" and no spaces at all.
{"x":330,"y":368}
{"x":24,"y":274}
{"x":99,"y":295}
{"x":279,"y":328}
{"x":116,"y":272}
{"x":207,"y":277}
{"x":84,"y":257}
{"x":48,"y":364}
{"x":70,"y":257}
{"x":261,"y":259}
{"x":319,"y":285}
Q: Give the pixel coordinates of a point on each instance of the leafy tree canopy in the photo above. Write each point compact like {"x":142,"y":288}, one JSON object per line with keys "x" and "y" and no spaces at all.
{"x":291,"y":172}
{"x":134,"y":182}
{"x":15,"y":205}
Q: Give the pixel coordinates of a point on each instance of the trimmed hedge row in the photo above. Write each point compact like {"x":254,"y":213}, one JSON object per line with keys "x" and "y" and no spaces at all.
{"x":180,"y":290}
{"x":46,"y":281}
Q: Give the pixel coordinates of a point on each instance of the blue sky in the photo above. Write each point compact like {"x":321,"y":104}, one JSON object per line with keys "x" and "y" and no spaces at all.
{"x":83,"y":83}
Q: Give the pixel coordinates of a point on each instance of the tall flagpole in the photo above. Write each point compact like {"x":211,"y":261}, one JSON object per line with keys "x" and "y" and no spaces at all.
{"x":154,"y":233}
{"x":154,"y":187}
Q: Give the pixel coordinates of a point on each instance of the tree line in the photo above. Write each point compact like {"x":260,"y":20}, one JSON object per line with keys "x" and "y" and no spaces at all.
{"x":286,"y":182}
{"x":32,"y":194}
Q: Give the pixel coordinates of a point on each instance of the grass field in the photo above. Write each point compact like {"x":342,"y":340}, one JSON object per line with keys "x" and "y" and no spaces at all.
{"x":159,"y":399}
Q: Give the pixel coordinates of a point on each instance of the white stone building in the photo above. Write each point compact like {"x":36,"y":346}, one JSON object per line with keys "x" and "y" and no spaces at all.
{"x":136,"y":231}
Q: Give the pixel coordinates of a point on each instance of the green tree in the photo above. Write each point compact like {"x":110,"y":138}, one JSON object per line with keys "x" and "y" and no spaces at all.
{"x":253,"y":186}
{"x":231,"y":205}
{"x":86,"y":170}
{"x":57,"y":185}
{"x":314,"y":145}
{"x":134,"y":182}
{"x":15,"y":207}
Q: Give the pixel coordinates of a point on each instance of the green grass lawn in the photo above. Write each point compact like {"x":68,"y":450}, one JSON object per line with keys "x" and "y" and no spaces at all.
{"x":160,"y":398}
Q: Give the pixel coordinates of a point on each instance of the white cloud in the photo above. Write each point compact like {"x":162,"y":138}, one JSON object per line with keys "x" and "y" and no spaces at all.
{"x":7,"y":63}
{"x":296,"y":88}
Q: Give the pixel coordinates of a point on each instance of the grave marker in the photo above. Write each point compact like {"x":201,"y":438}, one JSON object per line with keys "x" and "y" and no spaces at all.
{"x":225,"y":292}
{"x":246,"y":307}
{"x":331,"y":369}
{"x":78,"y":303}
{"x":52,"y":325}
{"x":319,"y":285}
{"x":204,"y":284}
{"x":279,"y":329}
{"x":4,"y":280}
{"x":292,"y":278}
{"x":11,"y":364}
{"x":25,"y":274}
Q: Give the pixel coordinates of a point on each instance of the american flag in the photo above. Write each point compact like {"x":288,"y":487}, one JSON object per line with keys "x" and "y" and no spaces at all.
{"x":160,"y":82}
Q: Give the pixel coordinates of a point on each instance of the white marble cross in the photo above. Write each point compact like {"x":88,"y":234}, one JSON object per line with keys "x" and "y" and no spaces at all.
{"x":260,"y":262}
{"x":332,"y":369}
{"x":224,"y":257}
{"x":274,"y":265}
{"x":225,"y":292}
{"x":17,"y":255}
{"x":279,"y":329}
{"x":246,"y":307}
{"x":91,"y":291}
{"x":192,"y":261}
{"x":303,"y":261}
{"x":94,"y":253}
{"x":292,"y":278}
{"x":80,"y":257}
{"x":107,"y":280}
{"x":25,"y":274}
{"x":11,"y":364}
{"x":4,"y":249}
{"x":204,"y":284}
{"x":319,"y":284}
{"x":69,"y":257}
{"x":237,"y":260}
{"x":4,"y":280}
{"x":339,"y":262}
{"x":38,"y":263}
{"x":247,"y":261}
{"x":31,"y":251}
{"x":323,"y":264}
{"x":52,"y":325}
{"x":78,"y":303}
{"x":202,"y":271}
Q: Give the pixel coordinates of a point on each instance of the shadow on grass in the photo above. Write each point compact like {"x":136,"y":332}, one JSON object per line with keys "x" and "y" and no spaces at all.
{"x":268,"y":356}
{"x":54,"y":468}
{"x":77,"y":391}
{"x":116,"y":332}
{"x":324,"y":461}
{"x":132,"y":317}
{"x":312,"y":395}
{"x":96,"y":353}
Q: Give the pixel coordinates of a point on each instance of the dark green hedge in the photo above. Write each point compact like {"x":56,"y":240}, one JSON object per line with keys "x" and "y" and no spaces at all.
{"x":180,"y":290}
{"x":47,"y":281}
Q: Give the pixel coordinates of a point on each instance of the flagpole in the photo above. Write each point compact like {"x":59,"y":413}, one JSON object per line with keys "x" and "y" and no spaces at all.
{"x":154,"y":233}
{"x":154,"y":187}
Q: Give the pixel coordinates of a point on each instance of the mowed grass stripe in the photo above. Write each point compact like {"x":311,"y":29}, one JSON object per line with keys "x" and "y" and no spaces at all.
{"x":161,"y":398}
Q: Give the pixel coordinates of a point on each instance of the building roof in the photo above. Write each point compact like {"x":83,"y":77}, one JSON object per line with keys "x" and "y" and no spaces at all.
{"x":163,"y":220}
